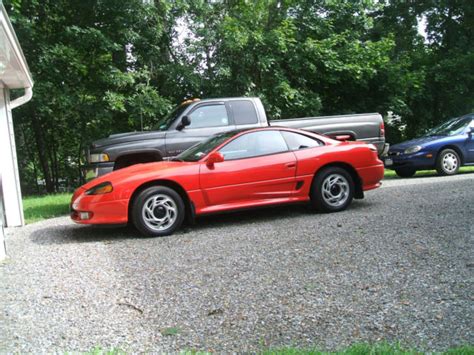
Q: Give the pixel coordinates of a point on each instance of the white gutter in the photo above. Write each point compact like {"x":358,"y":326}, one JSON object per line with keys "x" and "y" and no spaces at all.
{"x":22,"y":99}
{"x":14,"y":48}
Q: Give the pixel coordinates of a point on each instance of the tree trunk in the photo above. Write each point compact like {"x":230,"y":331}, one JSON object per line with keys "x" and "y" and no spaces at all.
{"x":39,"y":138}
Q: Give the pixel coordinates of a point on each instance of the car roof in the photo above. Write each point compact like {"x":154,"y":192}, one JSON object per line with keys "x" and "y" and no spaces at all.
{"x":240,"y":131}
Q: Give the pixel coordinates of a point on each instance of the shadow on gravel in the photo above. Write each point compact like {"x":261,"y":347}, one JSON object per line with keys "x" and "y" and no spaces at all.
{"x":425,"y":174}
{"x":268,"y":214}
{"x":81,"y":234}
{"x":73,"y":233}
{"x":239,"y":218}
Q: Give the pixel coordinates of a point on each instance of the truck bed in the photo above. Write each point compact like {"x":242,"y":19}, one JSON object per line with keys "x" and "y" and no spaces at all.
{"x":363,"y":127}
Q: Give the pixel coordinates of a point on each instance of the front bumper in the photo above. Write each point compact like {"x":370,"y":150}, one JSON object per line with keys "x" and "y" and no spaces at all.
{"x":101,"y":209}
{"x":420,"y":160}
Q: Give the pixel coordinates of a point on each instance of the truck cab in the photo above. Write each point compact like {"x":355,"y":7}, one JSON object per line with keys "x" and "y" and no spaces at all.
{"x":188,"y":124}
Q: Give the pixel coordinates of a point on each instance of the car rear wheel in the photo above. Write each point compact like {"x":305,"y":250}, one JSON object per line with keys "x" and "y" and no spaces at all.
{"x":448,"y":162}
{"x":332,"y":190}
{"x":405,"y":172}
{"x":158,"y":211}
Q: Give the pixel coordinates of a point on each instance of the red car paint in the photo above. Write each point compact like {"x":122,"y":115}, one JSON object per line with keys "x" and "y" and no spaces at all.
{"x":235,"y":184}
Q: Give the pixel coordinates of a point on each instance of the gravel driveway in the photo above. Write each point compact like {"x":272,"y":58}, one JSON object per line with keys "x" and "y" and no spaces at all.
{"x":396,"y":266}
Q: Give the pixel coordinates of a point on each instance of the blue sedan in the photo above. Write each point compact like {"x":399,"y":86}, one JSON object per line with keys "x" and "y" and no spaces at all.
{"x":444,"y":148}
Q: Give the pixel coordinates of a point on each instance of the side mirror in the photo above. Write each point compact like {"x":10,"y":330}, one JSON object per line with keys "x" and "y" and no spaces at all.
{"x":215,"y":157}
{"x":185,"y":121}
{"x":470,"y":131}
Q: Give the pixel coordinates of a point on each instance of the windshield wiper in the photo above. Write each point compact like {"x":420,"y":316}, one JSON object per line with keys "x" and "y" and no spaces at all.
{"x":177,"y":159}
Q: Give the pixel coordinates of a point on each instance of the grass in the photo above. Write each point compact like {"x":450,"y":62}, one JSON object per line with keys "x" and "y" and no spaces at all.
{"x":390,"y":174}
{"x":375,"y":349}
{"x":98,"y":351}
{"x":356,"y":349}
{"x":37,"y":208}
{"x":170,"y":331}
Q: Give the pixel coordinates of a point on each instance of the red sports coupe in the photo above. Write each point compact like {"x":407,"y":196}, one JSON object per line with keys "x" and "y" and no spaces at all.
{"x":230,"y":171}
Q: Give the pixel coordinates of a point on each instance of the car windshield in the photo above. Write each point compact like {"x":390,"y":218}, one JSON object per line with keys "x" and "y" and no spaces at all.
{"x":199,"y":150}
{"x":451,"y":127}
{"x":165,"y":123}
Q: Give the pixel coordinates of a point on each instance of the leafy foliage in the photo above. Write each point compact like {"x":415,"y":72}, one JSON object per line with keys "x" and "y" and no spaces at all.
{"x":107,"y":66}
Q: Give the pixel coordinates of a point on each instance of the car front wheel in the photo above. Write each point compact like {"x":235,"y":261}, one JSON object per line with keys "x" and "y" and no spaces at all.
{"x":158,"y":211}
{"x":332,"y":190}
{"x":448,"y":162}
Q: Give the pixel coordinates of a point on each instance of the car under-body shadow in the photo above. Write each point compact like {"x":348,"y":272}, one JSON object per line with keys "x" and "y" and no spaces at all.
{"x":426,"y":174}
{"x":73,"y":233}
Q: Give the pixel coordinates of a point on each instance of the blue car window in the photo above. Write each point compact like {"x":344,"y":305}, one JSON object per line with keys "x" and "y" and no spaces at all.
{"x":451,"y":128}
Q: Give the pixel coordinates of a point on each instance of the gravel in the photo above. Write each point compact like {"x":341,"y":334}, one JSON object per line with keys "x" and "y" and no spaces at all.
{"x":396,"y":266}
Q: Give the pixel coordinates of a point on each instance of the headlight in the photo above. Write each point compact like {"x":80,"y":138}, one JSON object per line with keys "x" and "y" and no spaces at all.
{"x":411,"y":150}
{"x":103,"y":188}
{"x":97,"y":158}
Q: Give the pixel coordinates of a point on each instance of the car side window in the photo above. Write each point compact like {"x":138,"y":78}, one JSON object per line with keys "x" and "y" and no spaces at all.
{"x":244,"y":112}
{"x":254,"y":144}
{"x":209,"y":116}
{"x":298,"y":141}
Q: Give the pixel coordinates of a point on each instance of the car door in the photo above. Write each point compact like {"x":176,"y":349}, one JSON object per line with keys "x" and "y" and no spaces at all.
{"x":470,"y":145}
{"x":307,"y":150}
{"x":207,"y":119}
{"x":257,"y":166}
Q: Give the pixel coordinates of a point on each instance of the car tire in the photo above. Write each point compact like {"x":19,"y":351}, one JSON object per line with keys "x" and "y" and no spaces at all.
{"x":405,"y":172}
{"x":332,"y":190}
{"x":448,"y":162}
{"x":158,"y":211}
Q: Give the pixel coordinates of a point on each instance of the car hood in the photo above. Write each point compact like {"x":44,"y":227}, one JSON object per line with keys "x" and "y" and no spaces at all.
{"x":422,"y":141}
{"x":157,"y":169}
{"x":127,"y":137}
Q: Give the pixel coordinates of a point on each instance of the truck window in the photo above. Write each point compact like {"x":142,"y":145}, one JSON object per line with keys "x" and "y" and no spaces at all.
{"x":244,"y":112}
{"x":209,"y":116}
{"x":254,"y":144}
{"x":164,"y":123}
{"x":298,"y":141}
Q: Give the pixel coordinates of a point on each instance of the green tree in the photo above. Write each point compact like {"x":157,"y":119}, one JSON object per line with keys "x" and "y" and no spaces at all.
{"x":106,"y":66}
{"x":88,"y":61}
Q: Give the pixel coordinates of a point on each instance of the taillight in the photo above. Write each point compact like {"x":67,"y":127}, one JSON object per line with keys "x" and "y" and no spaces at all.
{"x":382,"y":129}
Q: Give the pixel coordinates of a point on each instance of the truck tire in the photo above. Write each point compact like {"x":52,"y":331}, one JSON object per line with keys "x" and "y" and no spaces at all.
{"x":126,"y":161}
{"x":158,"y":211}
{"x":332,"y":190}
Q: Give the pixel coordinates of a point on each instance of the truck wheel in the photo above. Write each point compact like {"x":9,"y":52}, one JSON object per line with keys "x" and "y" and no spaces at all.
{"x":158,"y":211}
{"x":332,"y":190}
{"x":126,"y":161}
{"x":405,"y":172}
{"x":448,"y":162}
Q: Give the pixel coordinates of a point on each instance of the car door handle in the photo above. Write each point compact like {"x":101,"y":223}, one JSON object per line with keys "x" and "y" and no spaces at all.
{"x":290,"y":165}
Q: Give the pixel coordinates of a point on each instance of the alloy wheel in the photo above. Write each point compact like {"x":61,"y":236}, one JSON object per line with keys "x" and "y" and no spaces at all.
{"x":335,"y":190}
{"x":159,"y":212}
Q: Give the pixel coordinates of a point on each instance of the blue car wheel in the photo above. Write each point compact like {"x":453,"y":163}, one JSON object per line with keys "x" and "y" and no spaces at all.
{"x":448,"y":162}
{"x":405,"y":172}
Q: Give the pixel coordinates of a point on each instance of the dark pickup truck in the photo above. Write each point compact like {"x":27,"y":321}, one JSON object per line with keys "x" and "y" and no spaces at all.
{"x":195,"y":120}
